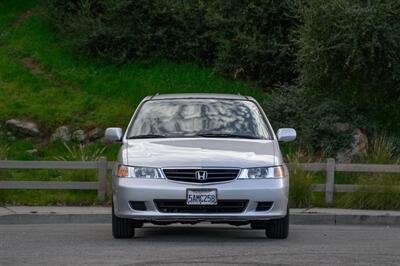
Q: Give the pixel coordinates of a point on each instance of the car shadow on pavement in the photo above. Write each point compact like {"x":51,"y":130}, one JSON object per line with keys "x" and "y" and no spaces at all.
{"x":198,"y":234}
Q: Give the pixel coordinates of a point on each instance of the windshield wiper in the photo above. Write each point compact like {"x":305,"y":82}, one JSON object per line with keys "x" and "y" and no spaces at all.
{"x":204,"y":135}
{"x":216,"y":135}
{"x":148,"y":136}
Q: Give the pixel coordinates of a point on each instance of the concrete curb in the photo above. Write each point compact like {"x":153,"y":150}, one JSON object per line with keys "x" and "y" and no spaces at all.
{"x":76,"y":215}
{"x":344,"y":219}
{"x":55,"y":218}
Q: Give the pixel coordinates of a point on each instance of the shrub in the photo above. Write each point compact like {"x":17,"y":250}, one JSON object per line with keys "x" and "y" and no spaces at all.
{"x":246,"y":39}
{"x":314,"y":117}
{"x":254,"y":40}
{"x":350,"y":49}
{"x":350,"y":41}
{"x":349,"y":61}
{"x":381,"y":150}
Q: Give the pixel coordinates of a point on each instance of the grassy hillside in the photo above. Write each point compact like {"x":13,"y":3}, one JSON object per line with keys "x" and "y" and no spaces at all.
{"x":38,"y":68}
{"x":44,"y":80}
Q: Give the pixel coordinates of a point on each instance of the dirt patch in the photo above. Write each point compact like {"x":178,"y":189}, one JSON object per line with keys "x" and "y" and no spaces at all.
{"x":35,"y":68}
{"x":24,"y":16}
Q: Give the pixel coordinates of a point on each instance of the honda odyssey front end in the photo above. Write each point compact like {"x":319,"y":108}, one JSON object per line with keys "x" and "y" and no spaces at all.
{"x":193,"y":158}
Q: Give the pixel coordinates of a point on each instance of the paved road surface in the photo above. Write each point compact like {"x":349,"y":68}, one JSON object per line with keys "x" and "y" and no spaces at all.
{"x":83,"y":244}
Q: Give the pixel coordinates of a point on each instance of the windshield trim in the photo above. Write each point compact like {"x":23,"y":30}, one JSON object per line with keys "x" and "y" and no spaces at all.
{"x":271,"y":135}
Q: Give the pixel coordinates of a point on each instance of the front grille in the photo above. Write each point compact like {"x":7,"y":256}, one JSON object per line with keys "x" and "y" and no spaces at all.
{"x":213,"y":175}
{"x":179,"y":206}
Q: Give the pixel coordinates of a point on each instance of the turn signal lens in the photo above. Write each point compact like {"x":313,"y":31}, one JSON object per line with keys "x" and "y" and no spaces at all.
{"x":138,"y":172}
{"x":279,"y":171}
{"x":123,"y":171}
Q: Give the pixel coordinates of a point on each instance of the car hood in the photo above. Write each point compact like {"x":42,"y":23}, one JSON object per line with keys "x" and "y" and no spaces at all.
{"x":201,"y":152}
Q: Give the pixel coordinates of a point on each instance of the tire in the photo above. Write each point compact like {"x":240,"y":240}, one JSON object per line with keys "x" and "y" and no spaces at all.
{"x":278,"y":228}
{"x":121,"y":227}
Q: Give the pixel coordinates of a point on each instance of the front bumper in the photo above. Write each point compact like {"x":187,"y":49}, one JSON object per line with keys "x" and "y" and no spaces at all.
{"x":147,"y":190}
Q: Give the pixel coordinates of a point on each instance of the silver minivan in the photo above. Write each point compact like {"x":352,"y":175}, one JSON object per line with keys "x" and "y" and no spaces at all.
{"x":190,"y":158}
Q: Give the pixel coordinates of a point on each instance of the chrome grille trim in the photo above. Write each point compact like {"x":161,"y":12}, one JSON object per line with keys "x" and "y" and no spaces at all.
{"x":189,"y":174}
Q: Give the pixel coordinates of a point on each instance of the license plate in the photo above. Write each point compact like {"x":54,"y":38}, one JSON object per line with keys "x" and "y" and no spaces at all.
{"x":201,"y":197}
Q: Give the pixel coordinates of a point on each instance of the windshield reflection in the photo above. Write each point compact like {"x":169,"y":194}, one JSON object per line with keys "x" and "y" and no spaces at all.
{"x":194,"y":117}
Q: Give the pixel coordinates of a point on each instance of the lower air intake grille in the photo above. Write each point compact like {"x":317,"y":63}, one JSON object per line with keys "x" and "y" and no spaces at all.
{"x":264,"y":206}
{"x":179,"y":206}
{"x":138,"y":205}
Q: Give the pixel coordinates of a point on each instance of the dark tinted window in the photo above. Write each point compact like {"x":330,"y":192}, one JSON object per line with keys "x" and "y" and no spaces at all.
{"x":195,"y":117}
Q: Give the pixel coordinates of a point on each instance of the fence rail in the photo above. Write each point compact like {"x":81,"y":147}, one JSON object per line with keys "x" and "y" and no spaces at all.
{"x":102,"y":166}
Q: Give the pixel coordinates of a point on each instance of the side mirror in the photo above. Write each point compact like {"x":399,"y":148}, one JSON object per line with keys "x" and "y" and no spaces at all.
{"x":113,"y":134}
{"x":286,"y":134}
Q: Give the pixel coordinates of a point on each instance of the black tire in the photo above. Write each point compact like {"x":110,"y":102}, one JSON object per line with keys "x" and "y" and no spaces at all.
{"x":278,"y":228}
{"x":121,"y":227}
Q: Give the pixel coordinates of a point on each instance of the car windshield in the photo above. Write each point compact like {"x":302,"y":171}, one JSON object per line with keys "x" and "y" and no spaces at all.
{"x":179,"y":118}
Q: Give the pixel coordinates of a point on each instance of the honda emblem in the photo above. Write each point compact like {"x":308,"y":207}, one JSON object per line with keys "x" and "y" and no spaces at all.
{"x":201,"y":175}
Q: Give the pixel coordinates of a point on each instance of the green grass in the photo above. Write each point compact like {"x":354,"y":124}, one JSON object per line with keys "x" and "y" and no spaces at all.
{"x":49,"y":197}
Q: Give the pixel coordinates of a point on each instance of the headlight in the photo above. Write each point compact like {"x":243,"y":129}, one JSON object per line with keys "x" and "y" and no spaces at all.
{"x":264,"y":172}
{"x":138,"y":172}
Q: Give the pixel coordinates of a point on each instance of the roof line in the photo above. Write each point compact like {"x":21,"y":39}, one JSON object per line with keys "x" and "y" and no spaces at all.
{"x":198,"y":95}
{"x":154,"y":95}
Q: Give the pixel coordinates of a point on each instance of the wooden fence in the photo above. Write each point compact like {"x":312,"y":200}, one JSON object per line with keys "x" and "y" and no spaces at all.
{"x":330,"y":167}
{"x":102,"y":165}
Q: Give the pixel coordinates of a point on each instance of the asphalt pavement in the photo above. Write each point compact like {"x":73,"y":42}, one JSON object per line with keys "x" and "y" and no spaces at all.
{"x":92,"y":244}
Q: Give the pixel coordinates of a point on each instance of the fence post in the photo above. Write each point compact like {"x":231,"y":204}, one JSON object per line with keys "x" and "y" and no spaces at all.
{"x":330,"y":181}
{"x":102,"y":175}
